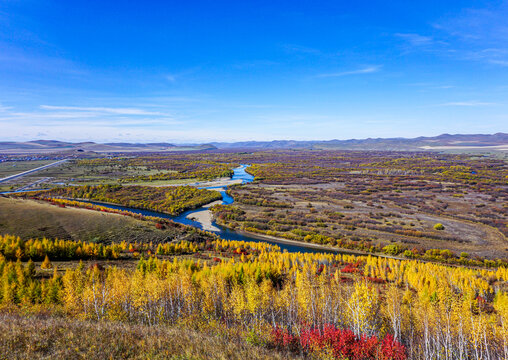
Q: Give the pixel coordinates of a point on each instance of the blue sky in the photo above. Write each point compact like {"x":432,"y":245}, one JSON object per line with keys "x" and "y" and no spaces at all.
{"x":198,"y":71}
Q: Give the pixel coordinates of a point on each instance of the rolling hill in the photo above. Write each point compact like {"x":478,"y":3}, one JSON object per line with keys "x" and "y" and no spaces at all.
{"x":460,"y":142}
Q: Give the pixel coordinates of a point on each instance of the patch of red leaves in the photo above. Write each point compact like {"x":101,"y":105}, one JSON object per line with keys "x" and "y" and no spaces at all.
{"x":340,"y":343}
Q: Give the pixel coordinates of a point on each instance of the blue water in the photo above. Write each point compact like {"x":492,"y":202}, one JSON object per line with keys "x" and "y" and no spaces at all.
{"x":224,"y":232}
{"x":241,"y":173}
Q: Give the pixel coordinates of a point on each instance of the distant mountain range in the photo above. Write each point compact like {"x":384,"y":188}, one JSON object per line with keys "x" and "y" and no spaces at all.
{"x":495,"y":142}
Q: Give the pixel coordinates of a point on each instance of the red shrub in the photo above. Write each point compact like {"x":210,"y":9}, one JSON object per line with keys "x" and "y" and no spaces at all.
{"x":282,"y":339}
{"x":351,"y":268}
{"x":320,"y":269}
{"x":341,"y":343}
{"x":392,"y":350}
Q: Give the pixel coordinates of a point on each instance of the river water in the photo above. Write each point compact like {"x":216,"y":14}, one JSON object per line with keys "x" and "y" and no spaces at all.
{"x":223,"y":232}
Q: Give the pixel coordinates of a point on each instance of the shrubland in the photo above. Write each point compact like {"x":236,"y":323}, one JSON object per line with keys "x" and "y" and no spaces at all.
{"x":370,"y":200}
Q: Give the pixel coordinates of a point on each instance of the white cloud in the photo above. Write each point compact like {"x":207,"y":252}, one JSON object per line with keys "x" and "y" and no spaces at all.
{"x":478,"y":34}
{"x":33,"y":116}
{"x":416,"y":39}
{"x":73,"y":117}
{"x":499,"y":62}
{"x":110,"y":110}
{"x":365,"y":70}
{"x":4,"y":108}
{"x":301,"y":49}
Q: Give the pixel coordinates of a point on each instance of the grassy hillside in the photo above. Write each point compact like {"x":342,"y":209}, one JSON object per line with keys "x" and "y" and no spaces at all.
{"x":42,"y":337}
{"x":32,"y":219}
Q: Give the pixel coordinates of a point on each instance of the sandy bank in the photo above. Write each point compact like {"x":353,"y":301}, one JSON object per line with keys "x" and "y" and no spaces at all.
{"x":222,"y":182}
{"x":219,"y":182}
{"x":204,"y":218}
{"x":218,"y":202}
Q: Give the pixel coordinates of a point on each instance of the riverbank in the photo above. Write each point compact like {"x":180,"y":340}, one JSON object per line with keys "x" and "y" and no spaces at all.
{"x":319,"y":247}
{"x":224,"y":182}
{"x":205,"y":217}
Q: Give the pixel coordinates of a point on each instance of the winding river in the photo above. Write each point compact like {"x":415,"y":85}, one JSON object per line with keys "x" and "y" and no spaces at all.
{"x":223,"y":232}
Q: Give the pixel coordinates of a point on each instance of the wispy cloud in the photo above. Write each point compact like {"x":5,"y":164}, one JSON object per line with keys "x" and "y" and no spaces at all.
{"x":301,"y":49}
{"x":478,"y":34}
{"x":254,"y":64}
{"x":496,"y":56}
{"x":486,"y":25}
{"x":25,"y":60}
{"x":467,"y":103}
{"x":499,"y":62}
{"x":47,"y":116}
{"x":365,"y":70}
{"x":67,"y":117}
{"x":110,"y":110}
{"x":173,"y":77}
{"x":415,"y":39}
{"x":4,"y":108}
{"x":432,"y":86}
{"x":472,"y":34}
